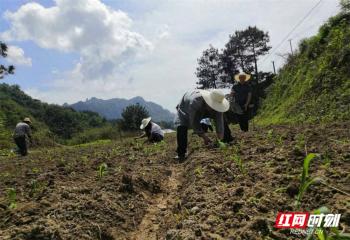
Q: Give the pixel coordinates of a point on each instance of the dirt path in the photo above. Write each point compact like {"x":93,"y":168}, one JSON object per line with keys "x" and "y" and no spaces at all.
{"x":149,"y":228}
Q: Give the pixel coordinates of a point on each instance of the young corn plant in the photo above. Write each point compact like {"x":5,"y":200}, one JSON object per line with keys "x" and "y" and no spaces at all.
{"x":300,"y":141}
{"x":274,"y":137}
{"x":198,"y":171}
{"x":12,"y":197}
{"x":34,"y":186}
{"x":306,"y":180}
{"x":102,"y":169}
{"x":237,"y":159}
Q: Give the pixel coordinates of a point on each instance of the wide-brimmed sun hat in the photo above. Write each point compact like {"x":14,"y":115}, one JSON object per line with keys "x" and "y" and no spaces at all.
{"x":145,"y":122}
{"x":216,"y":100}
{"x":27,"y":119}
{"x":247,"y":76}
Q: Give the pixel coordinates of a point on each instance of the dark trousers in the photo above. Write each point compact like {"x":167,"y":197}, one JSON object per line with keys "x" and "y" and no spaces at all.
{"x":243,"y":121}
{"x":22,"y":145}
{"x":181,"y":137}
{"x":155,"y":137}
{"x":206,"y":127}
{"x":227,"y":132}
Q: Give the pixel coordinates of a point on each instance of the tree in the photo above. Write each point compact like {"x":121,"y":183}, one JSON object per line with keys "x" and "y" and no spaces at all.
{"x":243,"y":50}
{"x":3,"y":69}
{"x":208,"y":70}
{"x":132,"y":116}
{"x":345,"y":5}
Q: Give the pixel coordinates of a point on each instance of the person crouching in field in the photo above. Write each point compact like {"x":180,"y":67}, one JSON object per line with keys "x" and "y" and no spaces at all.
{"x":22,"y":131}
{"x":153,"y":132}
{"x":195,"y":106}
{"x":206,"y":125}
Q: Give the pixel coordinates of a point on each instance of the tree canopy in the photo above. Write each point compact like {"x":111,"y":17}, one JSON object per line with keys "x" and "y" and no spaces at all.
{"x":132,"y":116}
{"x":4,"y":70}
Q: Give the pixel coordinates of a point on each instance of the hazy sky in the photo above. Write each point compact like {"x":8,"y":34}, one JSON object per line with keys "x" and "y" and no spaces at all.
{"x":69,"y":50}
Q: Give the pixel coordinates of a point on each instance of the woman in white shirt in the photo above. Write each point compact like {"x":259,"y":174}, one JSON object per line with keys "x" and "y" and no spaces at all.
{"x":153,"y":132}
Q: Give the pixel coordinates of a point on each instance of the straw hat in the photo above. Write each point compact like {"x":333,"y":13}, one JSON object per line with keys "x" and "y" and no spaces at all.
{"x":27,"y":119}
{"x":247,"y":76}
{"x":145,"y":122}
{"x":216,"y":100}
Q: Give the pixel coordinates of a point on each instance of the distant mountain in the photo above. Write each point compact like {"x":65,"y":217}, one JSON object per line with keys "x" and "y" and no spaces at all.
{"x":112,"y":108}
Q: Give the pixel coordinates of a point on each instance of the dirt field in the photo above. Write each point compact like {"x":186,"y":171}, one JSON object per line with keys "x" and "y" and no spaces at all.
{"x":232,"y":193}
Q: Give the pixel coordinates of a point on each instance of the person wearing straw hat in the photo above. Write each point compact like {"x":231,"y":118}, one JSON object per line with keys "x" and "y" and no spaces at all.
{"x":153,"y":132}
{"x":20,"y":133}
{"x":195,"y":106}
{"x":242,"y":93}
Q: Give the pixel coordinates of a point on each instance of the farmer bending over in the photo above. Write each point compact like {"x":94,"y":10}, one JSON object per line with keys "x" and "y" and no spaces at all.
{"x":19,"y":135}
{"x":152,"y":130}
{"x":195,"y":106}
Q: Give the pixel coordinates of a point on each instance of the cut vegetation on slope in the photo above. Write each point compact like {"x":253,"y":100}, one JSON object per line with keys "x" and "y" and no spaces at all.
{"x":314,"y":85}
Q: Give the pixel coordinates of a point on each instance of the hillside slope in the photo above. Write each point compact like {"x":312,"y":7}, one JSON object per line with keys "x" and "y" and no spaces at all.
{"x":50,"y":122}
{"x":112,"y":108}
{"x":314,"y":84}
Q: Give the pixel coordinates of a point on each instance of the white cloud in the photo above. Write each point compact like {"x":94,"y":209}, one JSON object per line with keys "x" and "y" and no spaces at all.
{"x":114,"y":61}
{"x":15,"y":55}
{"x":101,"y":35}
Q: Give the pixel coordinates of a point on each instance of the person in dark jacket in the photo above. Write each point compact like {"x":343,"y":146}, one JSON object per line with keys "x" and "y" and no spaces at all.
{"x":193,"y":107}
{"x":20,"y":133}
{"x":242,"y":93}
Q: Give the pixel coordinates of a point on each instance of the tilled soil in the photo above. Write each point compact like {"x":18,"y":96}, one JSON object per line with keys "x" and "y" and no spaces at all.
{"x":232,"y":193}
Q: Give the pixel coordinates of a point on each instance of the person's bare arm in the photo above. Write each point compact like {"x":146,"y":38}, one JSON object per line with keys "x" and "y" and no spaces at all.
{"x":248,"y":101}
{"x":29,"y":134}
{"x":141,"y":136}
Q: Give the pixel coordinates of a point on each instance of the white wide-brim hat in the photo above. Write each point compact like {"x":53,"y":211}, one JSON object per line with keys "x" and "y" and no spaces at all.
{"x":145,"y":122}
{"x":216,"y":100}
{"x":247,"y":76}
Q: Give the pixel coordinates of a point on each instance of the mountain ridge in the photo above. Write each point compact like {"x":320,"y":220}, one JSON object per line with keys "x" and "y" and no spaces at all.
{"x":112,"y":108}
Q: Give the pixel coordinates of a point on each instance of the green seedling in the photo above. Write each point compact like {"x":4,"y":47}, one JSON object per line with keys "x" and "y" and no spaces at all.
{"x":102,"y":170}
{"x":270,"y":134}
{"x":326,"y":159}
{"x":306,"y":181}
{"x":12,"y":197}
{"x":198,"y":171}
{"x":37,"y":187}
{"x":300,"y":141}
{"x":237,"y":159}
{"x":34,"y":187}
{"x":132,"y":157}
{"x":85,"y":160}
{"x":275,"y":138}
{"x":222,"y":145}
